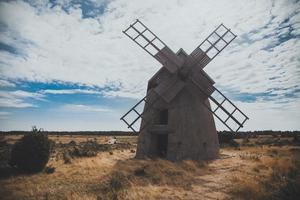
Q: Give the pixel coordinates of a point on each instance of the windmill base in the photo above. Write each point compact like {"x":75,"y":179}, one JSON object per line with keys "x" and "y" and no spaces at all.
{"x":181,"y":129}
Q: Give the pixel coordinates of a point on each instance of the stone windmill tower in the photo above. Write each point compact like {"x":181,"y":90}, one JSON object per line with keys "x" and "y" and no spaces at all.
{"x":176,"y":117}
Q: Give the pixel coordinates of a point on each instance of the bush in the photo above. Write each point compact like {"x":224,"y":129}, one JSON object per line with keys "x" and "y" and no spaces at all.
{"x":32,"y":152}
{"x":88,"y":149}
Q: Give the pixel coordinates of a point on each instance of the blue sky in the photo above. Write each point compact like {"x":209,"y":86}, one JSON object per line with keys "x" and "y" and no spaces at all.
{"x":65,"y":65}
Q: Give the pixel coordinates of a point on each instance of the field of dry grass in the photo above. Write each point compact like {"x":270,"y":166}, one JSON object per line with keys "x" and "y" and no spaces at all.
{"x":252,"y":171}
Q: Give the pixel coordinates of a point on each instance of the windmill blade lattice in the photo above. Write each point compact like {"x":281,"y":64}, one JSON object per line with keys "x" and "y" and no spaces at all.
{"x":145,"y":38}
{"x":148,"y":41}
{"x":217,"y":41}
{"x":220,"y":38}
{"x":227,"y":112}
{"x":135,"y":114}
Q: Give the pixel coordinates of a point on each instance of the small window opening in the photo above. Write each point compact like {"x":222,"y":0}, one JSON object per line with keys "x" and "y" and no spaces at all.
{"x":163,"y":117}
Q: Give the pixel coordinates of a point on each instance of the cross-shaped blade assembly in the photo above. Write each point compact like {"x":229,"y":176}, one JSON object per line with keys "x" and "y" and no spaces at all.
{"x":180,"y":71}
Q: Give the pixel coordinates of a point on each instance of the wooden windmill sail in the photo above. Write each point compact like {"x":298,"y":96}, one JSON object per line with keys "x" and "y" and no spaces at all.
{"x":175,"y":118}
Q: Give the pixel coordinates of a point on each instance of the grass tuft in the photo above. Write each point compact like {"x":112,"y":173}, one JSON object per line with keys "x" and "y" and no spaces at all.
{"x":276,"y":178}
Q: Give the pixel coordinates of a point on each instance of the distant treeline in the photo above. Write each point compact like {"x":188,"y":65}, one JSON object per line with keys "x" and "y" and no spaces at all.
{"x":241,"y":134}
{"x":244,"y":134}
{"x":105,"y":133}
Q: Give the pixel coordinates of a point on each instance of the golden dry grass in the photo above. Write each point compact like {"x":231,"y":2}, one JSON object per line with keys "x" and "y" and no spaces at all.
{"x":76,"y":138}
{"x":245,"y":173}
{"x":68,"y":180}
{"x":127,"y":174}
{"x":276,"y":176}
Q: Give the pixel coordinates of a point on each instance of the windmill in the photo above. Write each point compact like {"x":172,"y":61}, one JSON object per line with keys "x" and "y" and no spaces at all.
{"x":175,"y":118}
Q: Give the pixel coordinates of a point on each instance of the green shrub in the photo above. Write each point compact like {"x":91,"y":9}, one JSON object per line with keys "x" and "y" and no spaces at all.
{"x":31,"y":153}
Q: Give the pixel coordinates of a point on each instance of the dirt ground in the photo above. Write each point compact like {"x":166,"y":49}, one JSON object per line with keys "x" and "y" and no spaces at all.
{"x":244,"y":172}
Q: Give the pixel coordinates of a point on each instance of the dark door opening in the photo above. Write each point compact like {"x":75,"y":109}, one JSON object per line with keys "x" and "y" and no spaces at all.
{"x":162,"y":142}
{"x":163,"y":117}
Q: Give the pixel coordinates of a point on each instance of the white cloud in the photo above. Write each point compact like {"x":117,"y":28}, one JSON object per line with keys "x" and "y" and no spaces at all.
{"x":17,"y":99}
{"x":5,"y":83}
{"x":62,"y":46}
{"x":14,"y":103}
{"x":126,"y":94}
{"x":94,"y":51}
{"x":84,"y":108}
{"x":263,"y":71}
{"x":268,"y":116}
{"x":70,"y":91}
{"x":23,"y":94}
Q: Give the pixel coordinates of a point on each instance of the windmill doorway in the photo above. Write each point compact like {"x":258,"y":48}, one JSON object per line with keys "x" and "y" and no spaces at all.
{"x":162,"y":145}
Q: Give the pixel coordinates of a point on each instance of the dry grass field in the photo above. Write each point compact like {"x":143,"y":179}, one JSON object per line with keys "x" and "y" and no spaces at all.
{"x":260,"y":168}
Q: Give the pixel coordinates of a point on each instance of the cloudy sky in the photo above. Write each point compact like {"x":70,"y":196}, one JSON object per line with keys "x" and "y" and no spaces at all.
{"x":65,"y":65}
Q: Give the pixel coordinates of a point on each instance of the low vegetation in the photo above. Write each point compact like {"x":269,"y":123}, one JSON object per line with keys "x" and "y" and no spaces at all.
{"x":32,"y":152}
{"x":88,"y":167}
{"x":158,"y":172}
{"x":275,"y":177}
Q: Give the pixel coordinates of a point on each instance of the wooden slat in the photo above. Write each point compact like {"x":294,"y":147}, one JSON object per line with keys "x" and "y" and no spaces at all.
{"x":165,"y":84}
{"x":169,"y":59}
{"x":203,"y":81}
{"x":171,"y":93}
{"x":197,"y":54}
{"x":203,"y":62}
